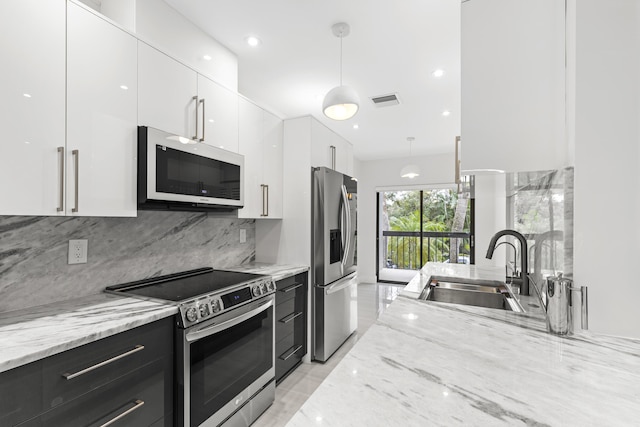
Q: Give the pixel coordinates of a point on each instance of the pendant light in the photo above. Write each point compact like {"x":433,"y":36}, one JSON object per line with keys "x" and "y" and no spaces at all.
{"x":341,"y":102}
{"x":410,"y":171}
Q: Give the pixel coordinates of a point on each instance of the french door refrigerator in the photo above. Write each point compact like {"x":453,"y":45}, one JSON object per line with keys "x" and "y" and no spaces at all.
{"x":334,"y":260}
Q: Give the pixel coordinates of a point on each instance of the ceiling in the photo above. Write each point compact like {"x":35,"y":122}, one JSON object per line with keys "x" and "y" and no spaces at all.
{"x":394,"y":47}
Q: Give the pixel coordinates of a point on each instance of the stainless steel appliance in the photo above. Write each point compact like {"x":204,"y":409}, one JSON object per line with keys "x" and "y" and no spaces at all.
{"x":334,"y":260}
{"x":224,"y":343}
{"x":178,"y":173}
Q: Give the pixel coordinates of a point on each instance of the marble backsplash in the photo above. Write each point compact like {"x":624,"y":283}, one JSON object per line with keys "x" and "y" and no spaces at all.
{"x":33,"y":252}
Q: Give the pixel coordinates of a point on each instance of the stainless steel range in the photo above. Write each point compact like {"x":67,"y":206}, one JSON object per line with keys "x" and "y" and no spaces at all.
{"x":224,"y":343}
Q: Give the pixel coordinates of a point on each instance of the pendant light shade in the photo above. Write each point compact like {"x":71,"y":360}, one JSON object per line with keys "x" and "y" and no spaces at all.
{"x":410,"y":171}
{"x":341,"y":102}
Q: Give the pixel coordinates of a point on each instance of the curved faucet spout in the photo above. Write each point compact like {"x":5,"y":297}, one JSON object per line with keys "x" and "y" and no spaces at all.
{"x":524,"y":259}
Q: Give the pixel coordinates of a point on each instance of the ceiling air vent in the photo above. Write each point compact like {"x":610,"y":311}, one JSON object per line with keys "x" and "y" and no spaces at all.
{"x":386,"y":100}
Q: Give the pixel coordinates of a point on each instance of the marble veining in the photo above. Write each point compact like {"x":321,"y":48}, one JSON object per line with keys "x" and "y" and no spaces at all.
{"x":33,"y":252}
{"x":276,"y":271}
{"x":42,"y":331}
{"x":424,"y":363}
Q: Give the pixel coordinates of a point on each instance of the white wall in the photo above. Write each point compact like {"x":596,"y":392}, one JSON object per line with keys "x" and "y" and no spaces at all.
{"x":513,"y":109}
{"x":490,"y":217}
{"x":373,"y":175}
{"x":607,"y":157}
{"x":164,"y":28}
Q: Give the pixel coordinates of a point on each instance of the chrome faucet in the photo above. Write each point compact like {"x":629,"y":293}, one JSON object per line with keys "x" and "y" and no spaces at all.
{"x":524,"y":259}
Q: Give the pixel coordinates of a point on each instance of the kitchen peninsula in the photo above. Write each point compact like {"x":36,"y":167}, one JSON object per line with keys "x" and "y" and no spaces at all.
{"x":425,"y":363}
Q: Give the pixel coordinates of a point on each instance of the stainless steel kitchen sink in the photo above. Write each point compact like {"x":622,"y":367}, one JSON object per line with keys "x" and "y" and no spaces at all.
{"x":480,"y":293}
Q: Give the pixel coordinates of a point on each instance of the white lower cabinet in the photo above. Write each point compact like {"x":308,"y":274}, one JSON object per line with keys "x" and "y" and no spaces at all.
{"x":32,"y":106}
{"x":101,"y":117}
{"x":260,"y":139}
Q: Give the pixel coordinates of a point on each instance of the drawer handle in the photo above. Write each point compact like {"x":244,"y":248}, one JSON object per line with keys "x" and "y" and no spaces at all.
{"x":295,"y":350}
{"x":135,"y":349}
{"x":291,"y":288}
{"x":290,"y":317}
{"x":138,"y":404}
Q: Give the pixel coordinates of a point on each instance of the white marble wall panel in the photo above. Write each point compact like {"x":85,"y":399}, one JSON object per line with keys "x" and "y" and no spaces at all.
{"x":33,"y":252}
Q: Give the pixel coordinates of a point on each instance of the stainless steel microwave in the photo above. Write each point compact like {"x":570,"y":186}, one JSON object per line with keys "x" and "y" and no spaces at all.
{"x":178,"y":173}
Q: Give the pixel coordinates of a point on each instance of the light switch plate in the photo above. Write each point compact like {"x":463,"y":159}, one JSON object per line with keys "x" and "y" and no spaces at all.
{"x":243,"y":235}
{"x":78,"y":251}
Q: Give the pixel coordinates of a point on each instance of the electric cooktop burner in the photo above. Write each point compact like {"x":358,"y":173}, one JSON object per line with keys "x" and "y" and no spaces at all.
{"x":202,"y":293}
{"x":183,"y":286}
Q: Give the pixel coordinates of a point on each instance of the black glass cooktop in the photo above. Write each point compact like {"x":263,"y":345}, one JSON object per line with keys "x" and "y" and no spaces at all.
{"x":183,"y":286}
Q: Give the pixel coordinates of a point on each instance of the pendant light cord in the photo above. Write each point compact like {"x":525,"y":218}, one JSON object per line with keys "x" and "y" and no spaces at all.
{"x":340,"y":59}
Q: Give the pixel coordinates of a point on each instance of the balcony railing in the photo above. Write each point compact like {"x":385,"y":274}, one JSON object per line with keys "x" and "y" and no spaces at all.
{"x":403,"y":249}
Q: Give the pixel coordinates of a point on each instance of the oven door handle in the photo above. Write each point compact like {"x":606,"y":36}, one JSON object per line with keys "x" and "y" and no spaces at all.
{"x":215,"y":328}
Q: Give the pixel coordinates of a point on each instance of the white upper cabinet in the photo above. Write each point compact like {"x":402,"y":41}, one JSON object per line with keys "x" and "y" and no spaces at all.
{"x":174,"y":98}
{"x":32,"y":106}
{"x":101,"y":117}
{"x":260,"y":135}
{"x":272,"y":174}
{"x":330,"y":149}
{"x":513,"y":85}
{"x":167,"y":94}
{"x":219,"y":114}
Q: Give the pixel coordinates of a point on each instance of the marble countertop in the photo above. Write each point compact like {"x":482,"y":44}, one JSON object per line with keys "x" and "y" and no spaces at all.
{"x":425,"y":363}
{"x":38,"y":332}
{"x":277,"y":271}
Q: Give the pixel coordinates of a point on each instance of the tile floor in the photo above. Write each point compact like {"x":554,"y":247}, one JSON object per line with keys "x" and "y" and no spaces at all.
{"x":294,"y":390}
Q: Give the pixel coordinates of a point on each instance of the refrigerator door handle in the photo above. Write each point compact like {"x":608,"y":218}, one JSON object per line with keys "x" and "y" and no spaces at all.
{"x":341,"y":284}
{"x":347,"y":226}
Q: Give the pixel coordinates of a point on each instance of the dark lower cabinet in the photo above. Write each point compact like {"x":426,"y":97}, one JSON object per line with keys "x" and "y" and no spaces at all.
{"x":122,"y":380}
{"x":291,"y":324}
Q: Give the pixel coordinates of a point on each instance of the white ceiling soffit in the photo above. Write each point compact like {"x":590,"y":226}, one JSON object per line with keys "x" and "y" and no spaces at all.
{"x":394,"y":47}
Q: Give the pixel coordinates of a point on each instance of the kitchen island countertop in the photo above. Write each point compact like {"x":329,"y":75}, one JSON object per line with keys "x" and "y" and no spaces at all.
{"x":425,"y":363}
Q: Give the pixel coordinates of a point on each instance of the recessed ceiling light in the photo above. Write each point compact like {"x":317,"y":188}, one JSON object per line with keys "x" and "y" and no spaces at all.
{"x":26,"y":95}
{"x":446,"y":113}
{"x":27,"y":142}
{"x":438,"y":73}
{"x":222,"y":146}
{"x":207,"y":57}
{"x":356,"y":126}
{"x":123,"y":87}
{"x":211,"y":121}
{"x":253,"y":41}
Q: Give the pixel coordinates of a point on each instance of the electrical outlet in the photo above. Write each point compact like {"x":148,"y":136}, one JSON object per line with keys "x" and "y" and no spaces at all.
{"x":243,"y":235}
{"x":78,"y":251}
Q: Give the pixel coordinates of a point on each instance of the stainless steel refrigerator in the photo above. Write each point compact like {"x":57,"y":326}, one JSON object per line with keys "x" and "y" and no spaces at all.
{"x":334,"y":260}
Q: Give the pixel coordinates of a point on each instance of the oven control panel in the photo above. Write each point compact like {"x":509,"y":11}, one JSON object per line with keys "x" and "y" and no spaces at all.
{"x":207,"y":306}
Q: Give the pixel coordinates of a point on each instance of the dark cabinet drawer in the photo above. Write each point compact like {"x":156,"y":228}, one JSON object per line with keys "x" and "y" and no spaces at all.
{"x":20,"y":394}
{"x":287,"y":289}
{"x":137,"y":399}
{"x":289,"y":352}
{"x":73,"y":373}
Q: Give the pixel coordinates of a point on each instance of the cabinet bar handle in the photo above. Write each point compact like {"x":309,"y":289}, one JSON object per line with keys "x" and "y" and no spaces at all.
{"x":333,"y":157}
{"x":138,"y":403}
{"x":195,"y":98}
{"x":295,"y":350}
{"x":76,"y":156}
{"x":457,"y":164}
{"x":135,"y":349}
{"x":290,"y":288}
{"x":265,"y":200}
{"x":203,"y":120}
{"x":60,"y":207}
{"x":290,"y":317}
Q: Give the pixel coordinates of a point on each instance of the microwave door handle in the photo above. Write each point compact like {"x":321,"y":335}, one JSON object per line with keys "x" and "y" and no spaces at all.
{"x":215,"y":328}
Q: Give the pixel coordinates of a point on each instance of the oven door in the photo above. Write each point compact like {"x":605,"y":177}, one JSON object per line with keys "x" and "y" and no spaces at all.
{"x":225,"y":362}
